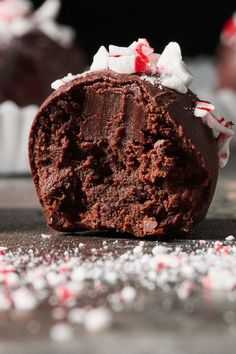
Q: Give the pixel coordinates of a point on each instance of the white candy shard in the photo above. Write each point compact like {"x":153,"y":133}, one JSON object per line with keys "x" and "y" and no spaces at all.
{"x":202,"y":108}
{"x":100,"y":59}
{"x":24,"y":299}
{"x":221,"y":128}
{"x":174,"y":83}
{"x":60,"y":82}
{"x":62,"y":332}
{"x":223,"y":141}
{"x":122,"y":65}
{"x":170,"y":63}
{"x":115,"y":50}
{"x":98,"y":319}
{"x":128,"y":294}
{"x":230,"y":238}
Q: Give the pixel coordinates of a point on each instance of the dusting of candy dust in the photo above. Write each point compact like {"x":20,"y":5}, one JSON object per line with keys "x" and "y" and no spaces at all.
{"x":86,"y":286}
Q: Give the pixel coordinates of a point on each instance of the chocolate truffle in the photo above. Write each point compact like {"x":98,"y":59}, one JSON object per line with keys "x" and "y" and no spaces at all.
{"x":34,"y":51}
{"x":122,"y":151}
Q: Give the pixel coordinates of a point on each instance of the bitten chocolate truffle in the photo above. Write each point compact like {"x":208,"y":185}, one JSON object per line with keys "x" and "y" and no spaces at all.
{"x":122,"y":151}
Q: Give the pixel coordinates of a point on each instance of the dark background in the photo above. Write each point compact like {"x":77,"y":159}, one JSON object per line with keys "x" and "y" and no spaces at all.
{"x":195,"y":25}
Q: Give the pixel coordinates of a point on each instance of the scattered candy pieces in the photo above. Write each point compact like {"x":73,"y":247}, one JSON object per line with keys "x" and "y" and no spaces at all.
{"x":62,"y":332}
{"x":98,"y":319}
{"x":139,"y":57}
{"x":73,"y":285}
{"x":230,"y":238}
{"x":128,"y":294}
{"x":46,"y":236}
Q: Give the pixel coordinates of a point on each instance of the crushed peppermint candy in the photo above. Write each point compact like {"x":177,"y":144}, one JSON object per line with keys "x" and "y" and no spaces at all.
{"x":222,"y":129}
{"x":98,"y":319}
{"x":88,"y":291}
{"x":62,"y":332}
{"x":139,"y":57}
{"x":228,"y":34}
{"x":166,"y":69}
{"x":46,"y":236}
{"x":230,"y":238}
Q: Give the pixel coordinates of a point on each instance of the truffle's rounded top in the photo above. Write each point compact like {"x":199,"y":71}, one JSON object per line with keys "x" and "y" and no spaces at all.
{"x":17,"y":19}
{"x":228,"y":34}
{"x":165,"y":70}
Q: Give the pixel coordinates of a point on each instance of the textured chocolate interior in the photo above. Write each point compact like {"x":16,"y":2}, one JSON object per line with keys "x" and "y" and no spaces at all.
{"x":112,"y":151}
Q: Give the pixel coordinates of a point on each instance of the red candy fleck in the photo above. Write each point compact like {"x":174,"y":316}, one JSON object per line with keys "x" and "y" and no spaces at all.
{"x":205,"y":109}
{"x":64,"y":293}
{"x":160,"y":266}
{"x":140,"y":65}
{"x":218,"y":246}
{"x":226,"y":250}
{"x":229,"y":29}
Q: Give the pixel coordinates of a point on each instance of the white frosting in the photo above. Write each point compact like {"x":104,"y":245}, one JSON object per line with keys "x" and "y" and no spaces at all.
{"x":15,"y":123}
{"x":17,"y":19}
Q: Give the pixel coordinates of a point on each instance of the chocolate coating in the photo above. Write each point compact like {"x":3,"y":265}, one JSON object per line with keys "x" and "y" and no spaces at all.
{"x":30,"y":63}
{"x":113,"y":151}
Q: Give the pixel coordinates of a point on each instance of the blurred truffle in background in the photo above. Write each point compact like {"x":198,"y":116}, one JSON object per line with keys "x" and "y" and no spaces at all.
{"x":34,"y":51}
{"x":227,"y":55}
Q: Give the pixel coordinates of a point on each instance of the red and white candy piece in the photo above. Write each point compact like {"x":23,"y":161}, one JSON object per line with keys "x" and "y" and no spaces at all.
{"x":228,"y":35}
{"x":202,"y":108}
{"x":139,"y":57}
{"x":222,"y":129}
{"x":223,"y":141}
